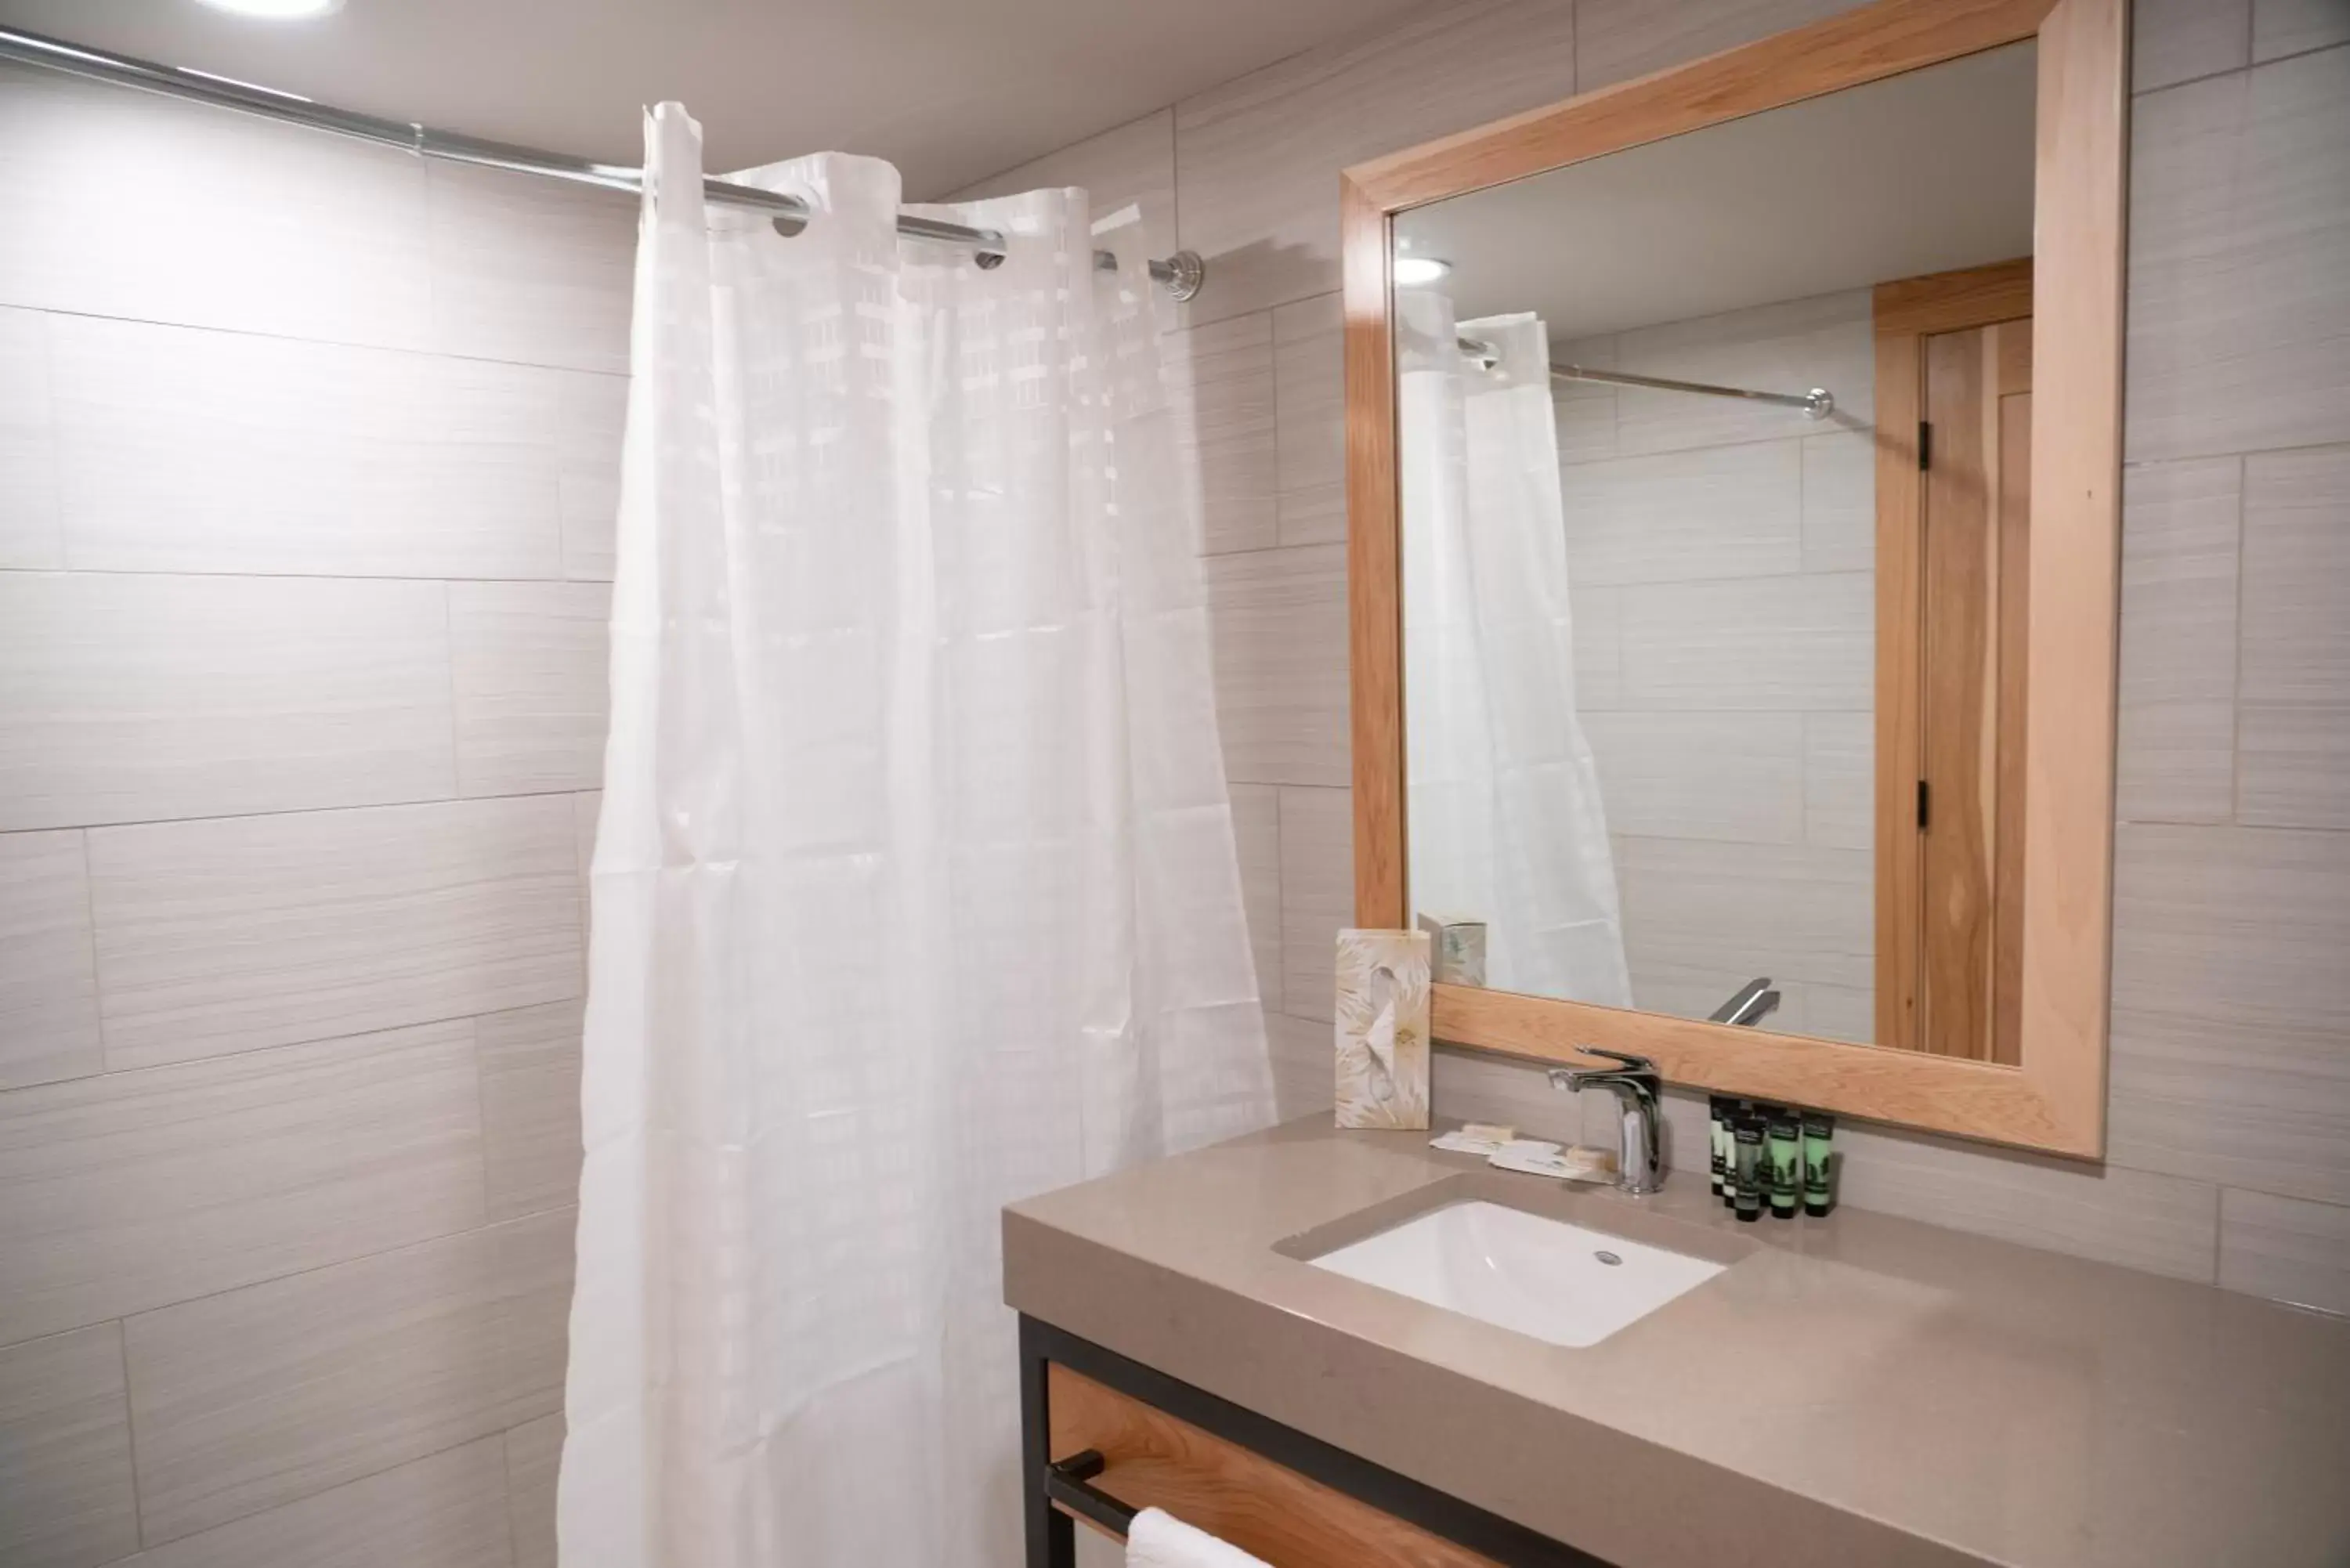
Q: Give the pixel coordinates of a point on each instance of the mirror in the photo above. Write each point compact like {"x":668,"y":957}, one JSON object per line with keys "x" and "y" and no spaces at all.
{"x":1701,"y":718}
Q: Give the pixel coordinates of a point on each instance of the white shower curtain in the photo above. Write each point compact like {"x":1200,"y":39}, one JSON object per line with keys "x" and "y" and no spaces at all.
{"x":914,"y":890}
{"x":1505,"y":820}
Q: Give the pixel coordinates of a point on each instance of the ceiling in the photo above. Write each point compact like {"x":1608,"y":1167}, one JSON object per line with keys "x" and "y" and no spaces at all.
{"x":1917,"y":173}
{"x":949,"y":90}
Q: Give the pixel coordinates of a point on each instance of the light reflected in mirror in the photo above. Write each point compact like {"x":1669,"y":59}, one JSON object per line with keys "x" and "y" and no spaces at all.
{"x":1713,"y":655}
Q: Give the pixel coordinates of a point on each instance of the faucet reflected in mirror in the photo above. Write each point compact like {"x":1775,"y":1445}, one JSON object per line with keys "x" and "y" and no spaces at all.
{"x":1754,"y":1002}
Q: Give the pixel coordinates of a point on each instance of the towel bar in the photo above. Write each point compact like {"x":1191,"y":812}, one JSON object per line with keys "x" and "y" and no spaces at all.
{"x":1067,"y":1482}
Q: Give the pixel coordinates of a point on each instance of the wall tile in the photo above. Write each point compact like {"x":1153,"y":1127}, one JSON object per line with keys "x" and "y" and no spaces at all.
{"x":1840,"y":502}
{"x":1132,"y":163}
{"x":228,"y":935}
{"x":49,"y":979}
{"x":2174,"y":41}
{"x":2230,"y":1052}
{"x":1309,"y":368}
{"x":530,"y":1107}
{"x":1731,"y":777}
{"x":586,"y":808}
{"x":29,"y":478}
{"x":1826,"y":341}
{"x":1793,"y":912}
{"x":220,"y":452}
{"x":257,"y":1397}
{"x":65,"y":1499}
{"x":592,"y":418}
{"x":2293,"y":758}
{"x":1257,"y":159}
{"x":2281,"y":27}
{"x":1222,"y":379}
{"x":1619,"y":39}
{"x":533,"y":1459}
{"x":1305,"y":1073}
{"x":1681,"y":516}
{"x":1840,"y":780}
{"x":135,"y":1189}
{"x":1598,"y":636}
{"x":1256,"y":830}
{"x":2285,"y":1248}
{"x":2238,"y":331}
{"x":1280,"y":626}
{"x":2176,"y":751}
{"x":446,"y":1511}
{"x":528,"y":270}
{"x":238,"y":224}
{"x":532,"y":683}
{"x":134,"y":698}
{"x":2160,"y":1223}
{"x":1798,"y":642}
{"x":1317,"y":895}
{"x":1585,"y":411}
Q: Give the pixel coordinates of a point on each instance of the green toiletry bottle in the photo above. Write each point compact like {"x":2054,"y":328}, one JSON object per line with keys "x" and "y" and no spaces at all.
{"x":1786,"y":1145}
{"x":1819,"y":1192}
{"x":1748,"y":1181}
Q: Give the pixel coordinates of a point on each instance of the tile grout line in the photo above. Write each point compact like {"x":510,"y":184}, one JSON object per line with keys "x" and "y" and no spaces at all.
{"x":351,"y":345}
{"x":378,"y":1254}
{"x":130,"y":1432}
{"x":97,"y":980}
{"x":183,"y":576}
{"x":2236,"y":659}
{"x":8,"y":1094}
{"x":89,"y":828}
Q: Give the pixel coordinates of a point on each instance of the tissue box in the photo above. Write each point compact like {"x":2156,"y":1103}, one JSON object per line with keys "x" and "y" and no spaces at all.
{"x":1381,"y":1029}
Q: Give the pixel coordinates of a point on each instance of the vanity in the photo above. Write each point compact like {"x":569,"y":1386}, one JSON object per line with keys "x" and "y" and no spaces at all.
{"x":1853,"y":1389}
{"x":1733,"y":472}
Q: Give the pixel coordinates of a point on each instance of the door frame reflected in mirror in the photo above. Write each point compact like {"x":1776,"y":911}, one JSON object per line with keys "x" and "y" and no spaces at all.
{"x":2053,"y":1097}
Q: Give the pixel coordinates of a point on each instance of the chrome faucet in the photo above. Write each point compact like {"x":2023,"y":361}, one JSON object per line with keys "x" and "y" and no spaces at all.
{"x":1637,"y":1087}
{"x":1755,"y":1002}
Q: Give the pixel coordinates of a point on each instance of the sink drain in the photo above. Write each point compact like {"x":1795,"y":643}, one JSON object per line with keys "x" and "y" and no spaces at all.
{"x":1610,"y":1259}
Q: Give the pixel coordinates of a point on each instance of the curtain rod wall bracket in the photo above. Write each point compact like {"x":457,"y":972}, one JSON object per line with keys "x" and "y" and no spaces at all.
{"x":1182,"y":273}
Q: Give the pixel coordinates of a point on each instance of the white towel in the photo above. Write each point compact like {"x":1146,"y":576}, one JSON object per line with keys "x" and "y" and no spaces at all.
{"x":1158,"y":1540}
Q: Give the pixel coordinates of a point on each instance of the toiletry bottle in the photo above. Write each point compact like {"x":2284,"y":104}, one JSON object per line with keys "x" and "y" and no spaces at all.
{"x":1717,"y":1130}
{"x":1819,"y":1194}
{"x":1785,"y":1144}
{"x":1732,"y":1113}
{"x":1748,"y":1199}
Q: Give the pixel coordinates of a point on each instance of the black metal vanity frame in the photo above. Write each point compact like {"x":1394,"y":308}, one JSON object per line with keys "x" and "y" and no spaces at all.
{"x":1052,"y":1533}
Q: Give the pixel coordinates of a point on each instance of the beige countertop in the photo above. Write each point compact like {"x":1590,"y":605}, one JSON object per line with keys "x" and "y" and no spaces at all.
{"x":1853,"y":1389}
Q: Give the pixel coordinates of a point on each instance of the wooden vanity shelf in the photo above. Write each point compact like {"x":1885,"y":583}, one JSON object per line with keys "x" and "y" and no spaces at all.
{"x":1270,"y":1489}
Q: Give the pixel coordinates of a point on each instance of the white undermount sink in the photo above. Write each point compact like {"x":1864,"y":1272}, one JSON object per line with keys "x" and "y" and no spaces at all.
{"x":1547,"y":1278}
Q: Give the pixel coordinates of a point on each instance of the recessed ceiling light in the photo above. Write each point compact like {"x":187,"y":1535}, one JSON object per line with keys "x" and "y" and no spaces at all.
{"x":1410,"y":272}
{"x":276,"y":10}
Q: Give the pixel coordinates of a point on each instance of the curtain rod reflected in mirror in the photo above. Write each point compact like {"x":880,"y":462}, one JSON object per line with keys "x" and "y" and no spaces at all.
{"x":1817,"y":404}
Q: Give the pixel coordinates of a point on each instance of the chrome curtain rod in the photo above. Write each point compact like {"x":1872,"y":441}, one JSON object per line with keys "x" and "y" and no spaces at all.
{"x":1182,"y":272}
{"x":1816,"y":404}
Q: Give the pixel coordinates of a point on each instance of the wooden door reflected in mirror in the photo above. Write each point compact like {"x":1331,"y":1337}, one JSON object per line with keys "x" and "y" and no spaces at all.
{"x":1954,"y":529}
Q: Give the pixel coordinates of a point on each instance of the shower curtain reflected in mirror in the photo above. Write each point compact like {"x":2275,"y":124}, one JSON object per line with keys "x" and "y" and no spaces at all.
{"x":1505,"y":822}
{"x":914,"y":889}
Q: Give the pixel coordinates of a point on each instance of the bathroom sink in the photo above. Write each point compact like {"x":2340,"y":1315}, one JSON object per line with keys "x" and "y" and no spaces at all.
{"x":1547,"y":1278}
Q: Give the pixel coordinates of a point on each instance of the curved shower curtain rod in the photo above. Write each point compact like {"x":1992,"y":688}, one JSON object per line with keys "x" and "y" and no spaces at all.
{"x":1182,"y":272}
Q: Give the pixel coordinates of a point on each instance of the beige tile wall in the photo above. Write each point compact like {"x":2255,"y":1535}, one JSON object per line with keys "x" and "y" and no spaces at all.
{"x":2230,"y":1080}
{"x":307,"y":462}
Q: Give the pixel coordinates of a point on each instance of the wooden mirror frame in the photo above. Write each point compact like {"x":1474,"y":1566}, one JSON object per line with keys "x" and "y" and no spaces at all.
{"x":2056,"y":1099}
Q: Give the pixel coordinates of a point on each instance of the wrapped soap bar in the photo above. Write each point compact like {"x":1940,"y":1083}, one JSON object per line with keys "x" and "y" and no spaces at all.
{"x":1381,"y":1029}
